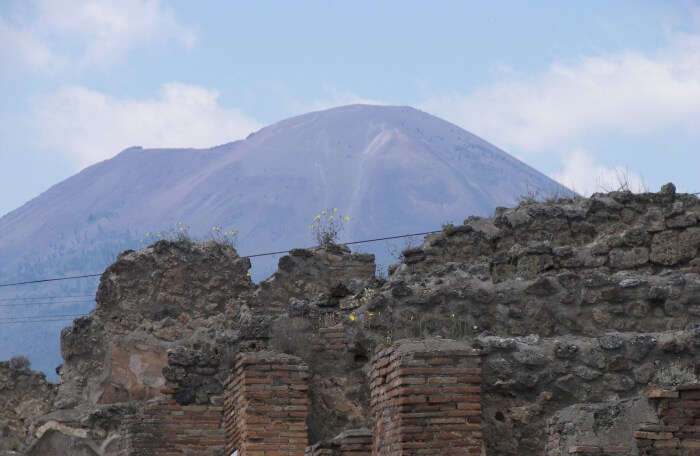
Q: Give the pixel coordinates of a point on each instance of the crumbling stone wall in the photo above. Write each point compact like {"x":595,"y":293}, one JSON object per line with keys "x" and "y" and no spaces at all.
{"x":25,"y":395}
{"x":326,"y":275}
{"x":634,"y":269}
{"x":528,"y":380}
{"x":458,"y":285}
{"x":426,"y":399}
{"x":148,"y":302}
{"x":618,"y":230}
{"x":603,"y":428}
{"x":659,"y":422}
{"x":571,"y":302}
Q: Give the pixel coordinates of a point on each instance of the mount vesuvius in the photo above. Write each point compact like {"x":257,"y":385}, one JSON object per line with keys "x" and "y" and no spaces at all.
{"x":392,"y":170}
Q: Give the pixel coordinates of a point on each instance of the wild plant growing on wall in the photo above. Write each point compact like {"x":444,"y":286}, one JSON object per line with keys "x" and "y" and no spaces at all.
{"x":327,"y":226}
{"x":180,"y":233}
{"x":224,"y":237}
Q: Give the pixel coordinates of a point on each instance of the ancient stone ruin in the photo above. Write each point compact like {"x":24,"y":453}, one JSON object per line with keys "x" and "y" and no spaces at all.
{"x":555,"y":328}
{"x":24,"y":396}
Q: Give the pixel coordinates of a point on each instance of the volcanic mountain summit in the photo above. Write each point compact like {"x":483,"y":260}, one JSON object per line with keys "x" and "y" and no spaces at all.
{"x":391,"y":169}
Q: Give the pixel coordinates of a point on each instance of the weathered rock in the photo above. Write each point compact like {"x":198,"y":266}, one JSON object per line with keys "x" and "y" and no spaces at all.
{"x":682,"y":220}
{"x":667,"y":250}
{"x":628,"y":259}
{"x":609,"y":424}
{"x":25,"y":395}
{"x":611,"y":342}
{"x":117,"y":354}
{"x":668,"y":189}
{"x":543,"y":286}
{"x":55,"y":442}
{"x":654,"y":220}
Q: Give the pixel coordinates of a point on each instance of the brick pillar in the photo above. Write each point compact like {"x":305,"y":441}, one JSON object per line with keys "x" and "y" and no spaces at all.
{"x":165,"y":428}
{"x":334,"y":338}
{"x":679,"y":430}
{"x":351,"y":442}
{"x":267,"y":405}
{"x":426,"y":399}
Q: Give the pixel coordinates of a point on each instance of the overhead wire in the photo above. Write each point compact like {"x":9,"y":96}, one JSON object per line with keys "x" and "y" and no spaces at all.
{"x":27,"y":304}
{"x":52,"y":318}
{"x":279,"y":252}
{"x":22,"y":317}
{"x":39,"y":319}
{"x":54,"y":279}
{"x":26,"y":298}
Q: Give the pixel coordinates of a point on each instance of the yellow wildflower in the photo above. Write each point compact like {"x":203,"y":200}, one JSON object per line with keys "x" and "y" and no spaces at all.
{"x":330,"y":217}
{"x":247,"y":274}
{"x":335,"y":209}
{"x":347,"y":219}
{"x":352,"y":318}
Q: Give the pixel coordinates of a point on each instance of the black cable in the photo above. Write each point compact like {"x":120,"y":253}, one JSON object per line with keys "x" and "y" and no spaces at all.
{"x":244,"y":256}
{"x":25,"y":304}
{"x":38,"y":318}
{"x":46,"y":297}
{"x":265,"y":254}
{"x":348,"y":243}
{"x":49,"y":280}
{"x":392,"y":237}
{"x":44,"y":320}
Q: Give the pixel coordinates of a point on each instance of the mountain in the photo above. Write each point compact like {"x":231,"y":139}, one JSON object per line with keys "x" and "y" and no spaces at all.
{"x":392,"y":170}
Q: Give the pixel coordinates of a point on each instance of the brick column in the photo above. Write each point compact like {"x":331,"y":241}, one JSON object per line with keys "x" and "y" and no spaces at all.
{"x":679,"y":431}
{"x":351,"y":442}
{"x":267,"y":405}
{"x":334,"y":338}
{"x":164,"y":428}
{"x":426,"y":399}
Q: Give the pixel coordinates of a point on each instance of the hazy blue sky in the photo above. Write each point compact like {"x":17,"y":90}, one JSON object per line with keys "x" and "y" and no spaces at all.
{"x":579,"y":90}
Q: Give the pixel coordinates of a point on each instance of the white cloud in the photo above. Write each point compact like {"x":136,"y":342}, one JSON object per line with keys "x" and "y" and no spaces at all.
{"x":61,"y":34}
{"x":585,"y":176}
{"x":629,"y":92}
{"x":21,"y":46}
{"x":90,"y":126}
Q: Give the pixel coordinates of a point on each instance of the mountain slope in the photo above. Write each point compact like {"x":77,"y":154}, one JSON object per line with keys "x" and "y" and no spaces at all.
{"x":391,"y":169}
